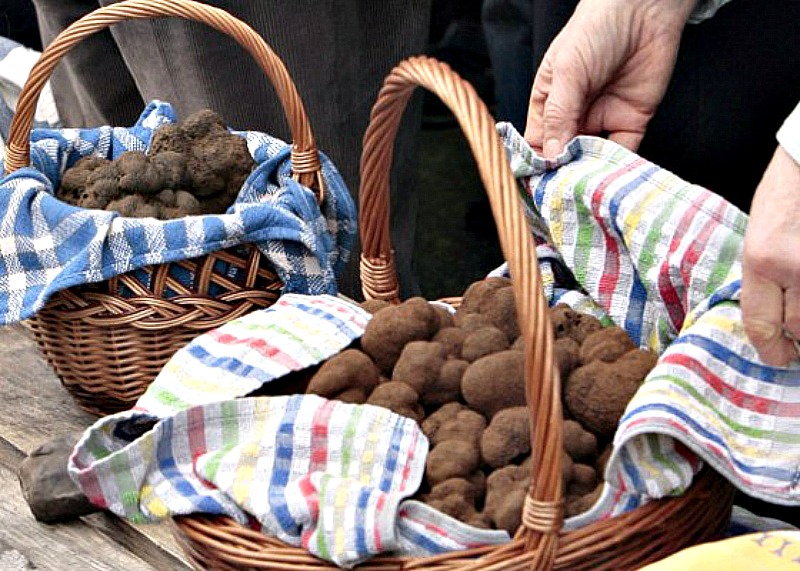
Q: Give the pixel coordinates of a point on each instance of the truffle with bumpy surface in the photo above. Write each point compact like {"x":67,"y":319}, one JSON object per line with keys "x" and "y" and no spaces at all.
{"x":597,"y":393}
{"x":399,"y":398}
{"x":393,"y":327}
{"x":495,"y":382}
{"x":350,"y":374}
{"x":196,"y":167}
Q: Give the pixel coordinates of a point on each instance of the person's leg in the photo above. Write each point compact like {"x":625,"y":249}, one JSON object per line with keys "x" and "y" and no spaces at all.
{"x":18,"y":23}
{"x":518,"y":33}
{"x":508,"y":29}
{"x":337,"y":53}
{"x":91,"y":85}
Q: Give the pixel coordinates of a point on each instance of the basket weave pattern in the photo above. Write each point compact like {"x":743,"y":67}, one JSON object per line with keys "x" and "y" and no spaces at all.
{"x":627,"y":541}
{"x":108,"y":341}
{"x":116,"y":345}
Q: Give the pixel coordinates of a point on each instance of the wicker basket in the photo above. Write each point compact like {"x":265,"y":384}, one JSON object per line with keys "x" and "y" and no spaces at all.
{"x":628,"y":541}
{"x":108,"y":341}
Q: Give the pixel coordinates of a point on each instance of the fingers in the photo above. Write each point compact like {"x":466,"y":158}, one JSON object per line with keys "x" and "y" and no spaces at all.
{"x":534,"y":132}
{"x":533,"y":127}
{"x":763,"y":303}
{"x":557,"y":103}
{"x":791,"y":314}
{"x":563,"y":109}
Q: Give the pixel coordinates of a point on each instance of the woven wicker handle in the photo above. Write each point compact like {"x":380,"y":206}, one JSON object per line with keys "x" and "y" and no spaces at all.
{"x":305,"y":157}
{"x":542,"y":514}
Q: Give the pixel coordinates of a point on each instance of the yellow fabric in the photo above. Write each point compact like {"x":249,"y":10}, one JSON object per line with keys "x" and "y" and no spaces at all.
{"x":766,"y":551}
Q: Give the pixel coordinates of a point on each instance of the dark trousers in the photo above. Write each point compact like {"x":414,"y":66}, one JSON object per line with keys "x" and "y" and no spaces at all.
{"x":337,"y":53}
{"x":737,"y":78}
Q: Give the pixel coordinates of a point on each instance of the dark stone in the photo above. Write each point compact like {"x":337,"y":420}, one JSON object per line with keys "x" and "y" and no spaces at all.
{"x":51,"y":494}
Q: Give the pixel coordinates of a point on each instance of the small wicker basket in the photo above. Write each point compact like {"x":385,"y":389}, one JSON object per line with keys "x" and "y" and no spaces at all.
{"x":627,"y":541}
{"x":108,"y":341}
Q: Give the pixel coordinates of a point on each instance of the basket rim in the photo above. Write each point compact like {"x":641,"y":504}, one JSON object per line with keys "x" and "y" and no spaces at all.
{"x":704,"y":509}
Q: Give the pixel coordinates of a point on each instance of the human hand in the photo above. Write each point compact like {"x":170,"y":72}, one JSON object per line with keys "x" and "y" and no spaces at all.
{"x":771,"y":266}
{"x":606,"y":72}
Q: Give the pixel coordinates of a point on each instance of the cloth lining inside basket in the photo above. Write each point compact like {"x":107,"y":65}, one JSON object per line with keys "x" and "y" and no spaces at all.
{"x":48,"y":245}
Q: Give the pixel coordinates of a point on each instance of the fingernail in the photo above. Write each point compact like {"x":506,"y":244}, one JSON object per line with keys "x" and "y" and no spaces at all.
{"x":552,"y":148}
{"x":763,"y":330}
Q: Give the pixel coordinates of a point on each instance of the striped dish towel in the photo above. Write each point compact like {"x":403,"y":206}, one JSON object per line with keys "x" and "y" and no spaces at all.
{"x":47,"y":245}
{"x":662,"y":258}
{"x":331,"y":477}
{"x":296,"y":332}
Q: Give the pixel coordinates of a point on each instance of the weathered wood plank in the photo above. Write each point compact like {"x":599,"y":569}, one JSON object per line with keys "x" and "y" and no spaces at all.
{"x":71,"y":545}
{"x":153,"y":543}
{"x":34,"y":408}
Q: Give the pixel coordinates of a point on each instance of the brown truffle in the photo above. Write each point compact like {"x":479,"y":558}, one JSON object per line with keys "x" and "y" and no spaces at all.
{"x":351,"y":372}
{"x":452,"y":339}
{"x":584,"y":480}
{"x":493,"y":298}
{"x":373,"y":306}
{"x":478,"y":295}
{"x":451,"y":459}
{"x":606,"y":344}
{"x":389,"y":330}
{"x":506,"y":489}
{"x":454,"y":421}
{"x":418,"y":366}
{"x":495,"y":382}
{"x":134,"y":206}
{"x":448,"y":387}
{"x":471,"y":321}
{"x":199,"y":156}
{"x":570,"y":323}
{"x":483,"y":341}
{"x":567,"y":465}
{"x":457,"y":497}
{"x":579,"y":443}
{"x":75,"y":178}
{"x":397,"y":397}
{"x":502,"y":312}
{"x":565,"y":354}
{"x":597,"y":393}
{"x":506,"y":437}
{"x":137,"y":175}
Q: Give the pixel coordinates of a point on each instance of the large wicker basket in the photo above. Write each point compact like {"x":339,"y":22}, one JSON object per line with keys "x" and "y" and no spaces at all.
{"x":625,"y":542}
{"x":108,"y":341}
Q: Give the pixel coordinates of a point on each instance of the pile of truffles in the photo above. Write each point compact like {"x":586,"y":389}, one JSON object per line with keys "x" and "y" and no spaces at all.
{"x":461,"y":377}
{"x":194,"y":167}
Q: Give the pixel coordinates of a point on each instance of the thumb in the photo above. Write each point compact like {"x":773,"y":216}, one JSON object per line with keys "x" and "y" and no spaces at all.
{"x":762,"y":303}
{"x":563,"y":110}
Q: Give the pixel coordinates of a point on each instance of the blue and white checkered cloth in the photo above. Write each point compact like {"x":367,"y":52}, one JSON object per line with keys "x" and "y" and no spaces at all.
{"x":47,"y":245}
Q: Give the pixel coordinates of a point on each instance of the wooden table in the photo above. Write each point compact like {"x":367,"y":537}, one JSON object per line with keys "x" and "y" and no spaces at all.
{"x":34,"y":408}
